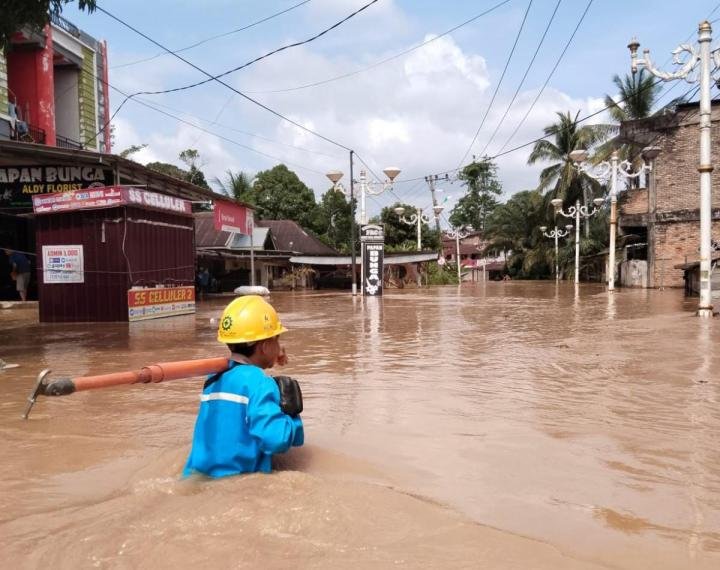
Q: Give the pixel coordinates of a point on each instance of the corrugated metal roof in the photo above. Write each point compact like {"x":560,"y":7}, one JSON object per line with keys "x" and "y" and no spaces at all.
{"x":205,"y":233}
{"x":242,"y":241}
{"x":130,"y":171}
{"x":390,"y":259}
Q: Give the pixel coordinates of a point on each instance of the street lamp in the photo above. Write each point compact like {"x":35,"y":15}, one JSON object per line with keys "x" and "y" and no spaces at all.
{"x":417,"y":219}
{"x":556,"y":233}
{"x":334,"y":176}
{"x":605,"y":171}
{"x":577,"y":211}
{"x":375,"y":188}
{"x":459,"y":233}
{"x":696,"y":55}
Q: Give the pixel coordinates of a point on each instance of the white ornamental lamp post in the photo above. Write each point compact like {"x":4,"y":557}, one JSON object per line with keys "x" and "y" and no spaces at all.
{"x":577,"y":211}
{"x":417,"y":219}
{"x":334,"y":176}
{"x":375,"y":188}
{"x":458,"y":234}
{"x":556,"y":233}
{"x":709,"y":61}
{"x":605,"y":171}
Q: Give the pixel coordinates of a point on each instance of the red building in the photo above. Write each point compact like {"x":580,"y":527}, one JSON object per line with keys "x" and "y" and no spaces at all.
{"x":53,"y":88}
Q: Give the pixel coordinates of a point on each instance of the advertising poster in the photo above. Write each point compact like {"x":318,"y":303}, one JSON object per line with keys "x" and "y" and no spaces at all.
{"x":232,"y":218}
{"x":63,"y":264}
{"x":158,"y":302}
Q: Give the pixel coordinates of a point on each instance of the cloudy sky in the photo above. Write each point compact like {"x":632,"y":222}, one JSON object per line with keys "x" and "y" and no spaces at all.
{"x":418,"y":111}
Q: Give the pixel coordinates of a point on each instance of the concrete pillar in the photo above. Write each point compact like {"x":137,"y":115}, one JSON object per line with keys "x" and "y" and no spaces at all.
{"x":31,"y":78}
{"x":651,"y":218}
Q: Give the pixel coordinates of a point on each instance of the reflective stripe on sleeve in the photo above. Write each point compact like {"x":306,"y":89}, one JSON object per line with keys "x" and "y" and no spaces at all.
{"x":227,"y":396}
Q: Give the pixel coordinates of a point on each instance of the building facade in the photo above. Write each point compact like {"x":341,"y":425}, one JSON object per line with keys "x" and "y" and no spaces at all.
{"x":664,"y":214}
{"x":54,"y":90}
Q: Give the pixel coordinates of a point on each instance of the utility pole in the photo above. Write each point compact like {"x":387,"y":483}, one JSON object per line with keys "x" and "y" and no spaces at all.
{"x":431,"y":179}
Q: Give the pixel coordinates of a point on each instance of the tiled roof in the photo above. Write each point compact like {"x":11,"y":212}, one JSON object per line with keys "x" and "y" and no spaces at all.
{"x":287,"y":232}
{"x":283,"y":233}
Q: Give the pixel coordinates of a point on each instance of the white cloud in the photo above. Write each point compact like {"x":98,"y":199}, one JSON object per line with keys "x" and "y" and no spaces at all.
{"x":418,"y":112}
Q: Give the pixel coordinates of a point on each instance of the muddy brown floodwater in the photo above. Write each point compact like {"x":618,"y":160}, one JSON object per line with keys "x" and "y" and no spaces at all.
{"x":505,"y":425}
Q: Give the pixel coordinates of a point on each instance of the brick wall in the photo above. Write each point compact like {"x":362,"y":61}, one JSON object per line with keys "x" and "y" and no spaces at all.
{"x":676,"y":177}
{"x":634,"y":201}
{"x":675,"y":241}
{"x":677,"y":187}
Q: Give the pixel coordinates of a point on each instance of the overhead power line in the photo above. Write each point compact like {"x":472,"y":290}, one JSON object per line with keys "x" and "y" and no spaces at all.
{"x":253,"y":61}
{"x":383,"y":61}
{"x":220,"y":81}
{"x":497,"y":87}
{"x":522,"y":81}
{"x":576,"y":122}
{"x":549,"y":77}
{"x":215,"y":37}
{"x":208,"y":131}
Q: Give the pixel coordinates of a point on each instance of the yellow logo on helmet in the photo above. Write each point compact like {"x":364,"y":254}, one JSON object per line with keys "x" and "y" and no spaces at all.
{"x":227,"y":323}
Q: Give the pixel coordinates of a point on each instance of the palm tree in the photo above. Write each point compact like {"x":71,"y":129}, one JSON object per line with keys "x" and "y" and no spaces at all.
{"x":561,"y":179}
{"x":638,"y":94}
{"x":237,"y":186}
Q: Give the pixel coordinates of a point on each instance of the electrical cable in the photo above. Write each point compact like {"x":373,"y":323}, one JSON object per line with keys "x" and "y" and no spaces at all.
{"x":533,"y":141}
{"x":247,"y":97}
{"x":240,"y":131}
{"x":382,"y":61}
{"x":522,"y":81}
{"x":549,"y":77}
{"x":247,"y":64}
{"x":215,"y":37}
{"x":231,"y":141}
{"x":497,"y":87}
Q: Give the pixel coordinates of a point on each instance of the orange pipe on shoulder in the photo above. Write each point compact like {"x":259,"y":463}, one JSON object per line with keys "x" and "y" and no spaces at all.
{"x":153,"y":373}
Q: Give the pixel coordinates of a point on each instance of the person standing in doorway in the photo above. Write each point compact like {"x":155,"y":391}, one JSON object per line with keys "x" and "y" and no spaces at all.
{"x":19,"y":271}
{"x":203,"y":282}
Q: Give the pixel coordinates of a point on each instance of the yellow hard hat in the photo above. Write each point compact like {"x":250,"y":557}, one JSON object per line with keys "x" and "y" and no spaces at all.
{"x":249,"y":319}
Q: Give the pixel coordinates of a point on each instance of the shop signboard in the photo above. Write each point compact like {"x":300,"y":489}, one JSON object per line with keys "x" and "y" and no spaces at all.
{"x":232,"y":218}
{"x":157,"y":302}
{"x":18,"y":184}
{"x":372,"y":238}
{"x":63,"y":264}
{"x":107,"y":197}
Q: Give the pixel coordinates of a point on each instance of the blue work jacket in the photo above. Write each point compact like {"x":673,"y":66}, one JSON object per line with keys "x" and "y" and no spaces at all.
{"x":240,"y":424}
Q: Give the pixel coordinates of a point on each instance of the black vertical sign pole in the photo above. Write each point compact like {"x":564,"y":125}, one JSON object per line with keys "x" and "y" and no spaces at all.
{"x":372,"y":240}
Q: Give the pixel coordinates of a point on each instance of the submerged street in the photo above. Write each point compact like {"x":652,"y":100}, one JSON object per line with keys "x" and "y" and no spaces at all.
{"x":497,"y":425}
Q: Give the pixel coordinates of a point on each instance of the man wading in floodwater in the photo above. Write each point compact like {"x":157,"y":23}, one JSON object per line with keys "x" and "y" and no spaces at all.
{"x":245,"y":415}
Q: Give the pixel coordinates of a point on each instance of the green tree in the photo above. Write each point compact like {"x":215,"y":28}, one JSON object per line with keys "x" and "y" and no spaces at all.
{"x":33,"y":13}
{"x":514,"y":229}
{"x":400,"y":236}
{"x":638,"y":94}
{"x":194,"y":175}
{"x":168,"y":169}
{"x":279,"y":194}
{"x":237,"y":185}
{"x":334,"y":220}
{"x":482,"y":183}
{"x":129,"y":151}
{"x":562,"y":179}
{"x":191,"y":158}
